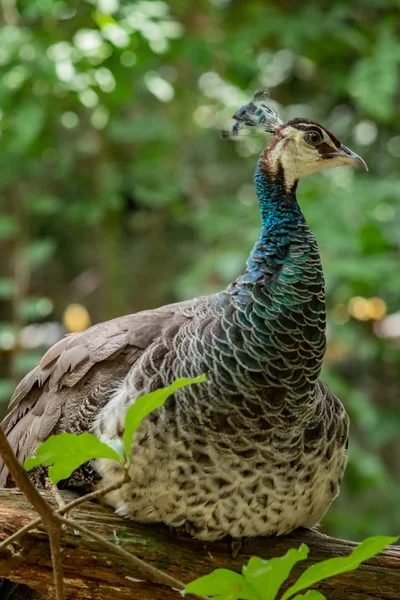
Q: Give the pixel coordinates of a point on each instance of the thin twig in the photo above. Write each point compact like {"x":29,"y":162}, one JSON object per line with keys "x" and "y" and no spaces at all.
{"x":157,"y":575}
{"x":48,"y":516}
{"x":55,"y":493}
{"x":20,"y":532}
{"x":56,"y":560}
{"x":93,"y":495}
{"x":137,"y":562}
{"x":64,"y":510}
{"x":23,"y":482}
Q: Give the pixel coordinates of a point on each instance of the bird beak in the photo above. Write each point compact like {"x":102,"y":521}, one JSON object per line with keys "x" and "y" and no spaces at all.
{"x":351,"y":158}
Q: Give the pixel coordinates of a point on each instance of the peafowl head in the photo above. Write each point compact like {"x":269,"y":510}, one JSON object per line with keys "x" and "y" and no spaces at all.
{"x":298,"y":147}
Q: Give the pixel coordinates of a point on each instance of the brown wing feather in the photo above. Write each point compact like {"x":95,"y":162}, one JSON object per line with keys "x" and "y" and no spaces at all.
{"x":76,"y":376}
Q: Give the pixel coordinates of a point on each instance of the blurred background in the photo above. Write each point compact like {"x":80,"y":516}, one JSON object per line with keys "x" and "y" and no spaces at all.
{"x":118,"y":194}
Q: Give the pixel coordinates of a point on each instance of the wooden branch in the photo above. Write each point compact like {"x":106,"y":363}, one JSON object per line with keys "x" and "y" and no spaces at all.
{"x":45,"y":511}
{"x":92,"y":572}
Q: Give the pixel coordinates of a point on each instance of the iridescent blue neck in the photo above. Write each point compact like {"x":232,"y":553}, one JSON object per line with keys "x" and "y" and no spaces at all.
{"x":283,"y":225}
{"x":280,"y":211}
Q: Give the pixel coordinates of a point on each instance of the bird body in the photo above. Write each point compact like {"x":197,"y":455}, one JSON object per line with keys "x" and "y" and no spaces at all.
{"x":260,"y":447}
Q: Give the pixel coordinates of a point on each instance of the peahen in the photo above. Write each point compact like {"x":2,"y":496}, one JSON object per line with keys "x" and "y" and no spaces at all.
{"x":258,"y":449}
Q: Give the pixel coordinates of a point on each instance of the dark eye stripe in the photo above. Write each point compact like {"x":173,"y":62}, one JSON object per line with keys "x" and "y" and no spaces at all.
{"x":326,"y":150}
{"x":334,"y":140}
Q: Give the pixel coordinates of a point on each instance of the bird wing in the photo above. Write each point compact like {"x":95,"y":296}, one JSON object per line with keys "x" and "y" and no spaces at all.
{"x":77,"y":375}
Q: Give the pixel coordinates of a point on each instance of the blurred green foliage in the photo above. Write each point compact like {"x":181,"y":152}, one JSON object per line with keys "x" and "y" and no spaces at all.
{"x":118,"y":194}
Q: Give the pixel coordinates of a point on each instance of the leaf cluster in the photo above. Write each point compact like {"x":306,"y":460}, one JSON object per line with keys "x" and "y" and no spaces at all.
{"x":263,"y":579}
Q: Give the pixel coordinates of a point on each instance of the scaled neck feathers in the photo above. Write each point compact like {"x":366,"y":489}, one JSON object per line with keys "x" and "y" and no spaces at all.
{"x":278,"y":203}
{"x":282,"y":223}
{"x":280,"y":297}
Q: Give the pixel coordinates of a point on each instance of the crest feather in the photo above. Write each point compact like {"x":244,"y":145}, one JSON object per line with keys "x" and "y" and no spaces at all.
{"x":258,"y":113}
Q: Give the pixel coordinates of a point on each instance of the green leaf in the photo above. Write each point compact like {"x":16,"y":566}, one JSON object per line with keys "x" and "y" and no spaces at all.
{"x":335,"y":566}
{"x":8,"y":227}
{"x":7,"y":288}
{"x":381,"y":68}
{"x":310,"y":595}
{"x":35,"y":308}
{"x":39,"y":252}
{"x":28,"y":121}
{"x":224,"y":585}
{"x":43,"y":204}
{"x":145,"y":404}
{"x":66,"y":452}
{"x":267,"y":576}
{"x":7,"y":387}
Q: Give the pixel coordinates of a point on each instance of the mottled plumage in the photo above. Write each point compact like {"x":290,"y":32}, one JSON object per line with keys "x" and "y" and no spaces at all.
{"x":260,"y":448}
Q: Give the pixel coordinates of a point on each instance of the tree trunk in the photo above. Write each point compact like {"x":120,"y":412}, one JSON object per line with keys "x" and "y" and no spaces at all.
{"x":91,"y":572}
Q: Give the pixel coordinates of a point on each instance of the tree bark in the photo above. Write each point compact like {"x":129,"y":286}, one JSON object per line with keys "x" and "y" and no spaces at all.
{"x":92,"y":572}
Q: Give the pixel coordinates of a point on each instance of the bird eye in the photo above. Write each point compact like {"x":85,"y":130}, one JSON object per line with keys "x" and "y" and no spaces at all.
{"x":313,"y":138}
